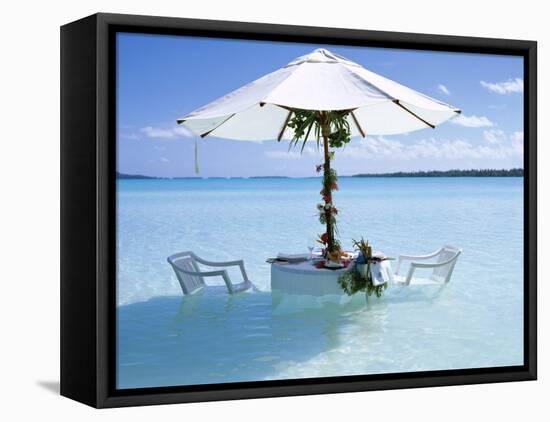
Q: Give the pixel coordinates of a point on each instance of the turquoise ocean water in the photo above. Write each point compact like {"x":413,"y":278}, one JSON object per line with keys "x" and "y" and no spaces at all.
{"x":165,"y":339}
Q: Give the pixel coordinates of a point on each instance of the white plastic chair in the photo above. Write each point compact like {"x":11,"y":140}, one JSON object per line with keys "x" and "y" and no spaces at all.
{"x":442,"y":262}
{"x":191,"y":278}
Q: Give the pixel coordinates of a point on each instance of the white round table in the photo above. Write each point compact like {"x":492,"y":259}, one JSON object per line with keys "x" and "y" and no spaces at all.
{"x":303,"y":278}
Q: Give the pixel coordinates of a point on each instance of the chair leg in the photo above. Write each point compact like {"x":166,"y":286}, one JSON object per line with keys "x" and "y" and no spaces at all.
{"x":227,"y":281}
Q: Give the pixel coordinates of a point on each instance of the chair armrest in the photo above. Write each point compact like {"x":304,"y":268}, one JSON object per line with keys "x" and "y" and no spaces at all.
{"x":172,"y":258}
{"x":401,"y":258}
{"x":222,"y":273}
{"x":434,"y":264}
{"x":239,"y":263}
{"x":218,"y":263}
{"x":419,"y":257}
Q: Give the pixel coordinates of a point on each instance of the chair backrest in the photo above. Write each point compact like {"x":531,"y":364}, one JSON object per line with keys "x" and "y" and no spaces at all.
{"x":443,"y":273}
{"x":189,"y":283}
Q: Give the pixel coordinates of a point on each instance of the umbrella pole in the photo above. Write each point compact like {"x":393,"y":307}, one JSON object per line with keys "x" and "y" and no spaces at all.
{"x":327,"y":188}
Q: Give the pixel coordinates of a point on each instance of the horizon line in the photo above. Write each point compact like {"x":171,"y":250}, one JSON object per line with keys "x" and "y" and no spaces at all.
{"x":413,"y":173}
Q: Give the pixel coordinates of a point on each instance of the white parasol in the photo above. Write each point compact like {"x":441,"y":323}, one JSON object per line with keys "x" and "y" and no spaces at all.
{"x":320,"y":80}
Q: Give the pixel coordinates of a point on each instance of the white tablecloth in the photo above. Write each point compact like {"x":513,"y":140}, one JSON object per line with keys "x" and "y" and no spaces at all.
{"x":304,"y":278}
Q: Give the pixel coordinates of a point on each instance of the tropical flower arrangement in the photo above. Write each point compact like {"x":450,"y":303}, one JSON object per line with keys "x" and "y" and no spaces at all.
{"x":339,"y":256}
{"x":359,"y":277}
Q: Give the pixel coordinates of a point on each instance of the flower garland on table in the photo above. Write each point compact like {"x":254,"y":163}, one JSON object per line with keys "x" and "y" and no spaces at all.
{"x":327,"y":214}
{"x":354,"y":280}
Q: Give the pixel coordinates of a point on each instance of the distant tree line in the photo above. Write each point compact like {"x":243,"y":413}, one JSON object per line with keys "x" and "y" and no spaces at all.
{"x":432,"y":173}
{"x":450,"y":173}
{"x":133,"y":176}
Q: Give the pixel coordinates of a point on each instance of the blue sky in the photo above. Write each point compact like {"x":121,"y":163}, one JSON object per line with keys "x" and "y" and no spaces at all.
{"x":161,"y":78}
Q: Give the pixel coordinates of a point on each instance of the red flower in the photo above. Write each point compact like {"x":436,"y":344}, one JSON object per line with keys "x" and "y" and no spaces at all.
{"x":327,"y":198}
{"x":322,"y":192}
{"x":334,"y":186}
{"x":324,"y":238}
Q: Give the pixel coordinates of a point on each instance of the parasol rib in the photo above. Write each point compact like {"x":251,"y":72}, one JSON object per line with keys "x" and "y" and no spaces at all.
{"x":413,"y":113}
{"x":282,"y":131}
{"x":212,"y":130}
{"x":359,"y":128}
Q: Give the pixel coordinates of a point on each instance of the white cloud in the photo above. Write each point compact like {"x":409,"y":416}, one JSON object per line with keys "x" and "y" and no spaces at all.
{"x":494,"y":136}
{"x":443,"y":89}
{"x":517,"y":136}
{"x":155,"y":132}
{"x":506,"y":87}
{"x":495,"y":145}
{"x":182,"y":131}
{"x":165,"y":133}
{"x":431,"y":148}
{"x":164,"y":160}
{"x":293,"y":154}
{"x":472,"y":121}
{"x":283,"y":155}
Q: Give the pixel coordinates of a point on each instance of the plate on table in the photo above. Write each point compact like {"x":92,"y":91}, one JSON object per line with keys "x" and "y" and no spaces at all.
{"x":292,"y":258}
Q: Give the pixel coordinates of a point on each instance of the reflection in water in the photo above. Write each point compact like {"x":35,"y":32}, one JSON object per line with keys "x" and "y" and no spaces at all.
{"x":215,"y":337}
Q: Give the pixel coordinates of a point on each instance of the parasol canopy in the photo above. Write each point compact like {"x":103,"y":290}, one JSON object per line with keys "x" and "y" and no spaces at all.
{"x":321,"y":81}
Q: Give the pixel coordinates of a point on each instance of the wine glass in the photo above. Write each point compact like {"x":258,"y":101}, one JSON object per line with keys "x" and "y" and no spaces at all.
{"x":310,"y":247}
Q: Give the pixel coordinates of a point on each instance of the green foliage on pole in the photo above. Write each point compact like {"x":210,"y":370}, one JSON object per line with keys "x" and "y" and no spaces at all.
{"x":330,"y":129}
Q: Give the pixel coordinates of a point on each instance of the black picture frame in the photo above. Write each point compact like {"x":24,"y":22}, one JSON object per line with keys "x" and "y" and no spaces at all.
{"x":88,"y":117}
